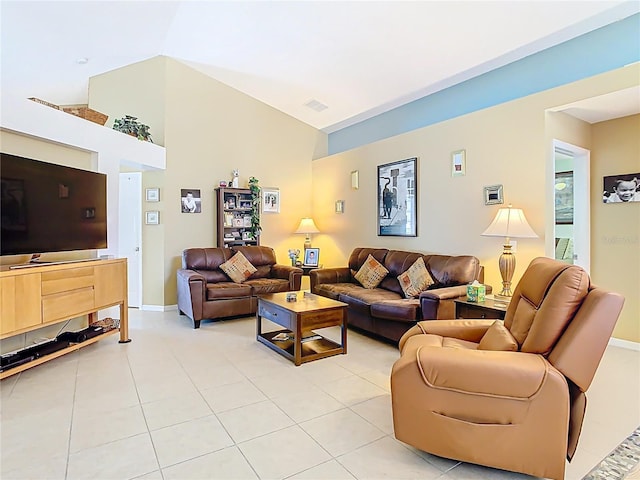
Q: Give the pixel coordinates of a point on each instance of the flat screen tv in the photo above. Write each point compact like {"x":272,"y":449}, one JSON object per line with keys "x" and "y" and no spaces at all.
{"x":50,"y":208}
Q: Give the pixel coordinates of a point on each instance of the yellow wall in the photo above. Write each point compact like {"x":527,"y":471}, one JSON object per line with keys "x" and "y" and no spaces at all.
{"x":209,"y":129}
{"x":615,"y":227}
{"x":509,"y":144}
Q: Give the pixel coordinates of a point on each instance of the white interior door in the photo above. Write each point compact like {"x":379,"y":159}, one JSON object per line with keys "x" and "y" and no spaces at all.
{"x":130,"y":232}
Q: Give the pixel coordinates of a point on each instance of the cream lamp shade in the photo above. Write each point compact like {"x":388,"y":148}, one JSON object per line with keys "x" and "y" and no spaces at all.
{"x":509,"y":223}
{"x":307,"y":227}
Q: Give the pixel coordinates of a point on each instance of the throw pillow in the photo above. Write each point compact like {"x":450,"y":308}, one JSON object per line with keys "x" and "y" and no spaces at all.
{"x":498,"y":338}
{"x":238,"y":268}
{"x":371,"y":273}
{"x":415,"y":279}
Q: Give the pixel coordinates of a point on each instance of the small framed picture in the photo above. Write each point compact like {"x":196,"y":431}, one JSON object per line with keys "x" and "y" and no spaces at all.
{"x":339,"y":206}
{"x":493,"y":195}
{"x":311,"y":256}
{"x":271,"y":200}
{"x":458,"y":163}
{"x":355,"y":180}
{"x":153,"y":195}
{"x":152,"y":217}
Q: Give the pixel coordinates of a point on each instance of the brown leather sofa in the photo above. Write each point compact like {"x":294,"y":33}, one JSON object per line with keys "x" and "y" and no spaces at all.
{"x":206,"y":292}
{"x":384,"y":310}
{"x":507,"y":395}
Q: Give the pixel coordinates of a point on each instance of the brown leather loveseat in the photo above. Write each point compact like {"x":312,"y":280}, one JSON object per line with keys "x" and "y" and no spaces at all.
{"x":206,"y":292}
{"x":384,"y":310}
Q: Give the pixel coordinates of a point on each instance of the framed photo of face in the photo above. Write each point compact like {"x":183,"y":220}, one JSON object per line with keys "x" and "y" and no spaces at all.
{"x":311,"y":256}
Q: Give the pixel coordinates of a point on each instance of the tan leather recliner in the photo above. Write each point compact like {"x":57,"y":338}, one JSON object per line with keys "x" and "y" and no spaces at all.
{"x":510,"y":395}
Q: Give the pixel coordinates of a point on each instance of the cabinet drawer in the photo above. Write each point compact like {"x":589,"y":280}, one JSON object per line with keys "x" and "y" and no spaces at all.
{"x":65,"y":280}
{"x":67,"y":304}
{"x":464,"y":311}
{"x":277,"y":315}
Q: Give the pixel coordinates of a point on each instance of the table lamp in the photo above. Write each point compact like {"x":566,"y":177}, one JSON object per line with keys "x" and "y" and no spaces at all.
{"x":509,"y":223}
{"x":307,"y":227}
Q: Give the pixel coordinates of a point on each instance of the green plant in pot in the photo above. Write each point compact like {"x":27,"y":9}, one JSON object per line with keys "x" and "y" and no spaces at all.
{"x":131,"y":126}
{"x":254,"y":188}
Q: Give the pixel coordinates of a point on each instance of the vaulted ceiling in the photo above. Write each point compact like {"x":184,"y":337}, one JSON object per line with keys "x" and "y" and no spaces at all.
{"x":357,"y":58}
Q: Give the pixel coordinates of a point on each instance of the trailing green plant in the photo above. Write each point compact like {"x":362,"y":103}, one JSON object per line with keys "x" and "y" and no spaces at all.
{"x":131,"y":126}
{"x":254,"y":188}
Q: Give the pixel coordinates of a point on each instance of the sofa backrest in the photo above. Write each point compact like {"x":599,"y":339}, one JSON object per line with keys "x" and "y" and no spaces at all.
{"x":207,"y":261}
{"x":397,"y":262}
{"x":447,"y":270}
{"x":263,"y":258}
{"x":359,"y":255}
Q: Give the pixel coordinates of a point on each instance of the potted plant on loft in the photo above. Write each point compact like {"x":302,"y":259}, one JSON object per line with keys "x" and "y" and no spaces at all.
{"x":254,"y":188}
{"x":131,"y":126}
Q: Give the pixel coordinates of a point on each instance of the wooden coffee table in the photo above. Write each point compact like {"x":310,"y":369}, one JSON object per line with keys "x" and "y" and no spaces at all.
{"x":299,"y":319}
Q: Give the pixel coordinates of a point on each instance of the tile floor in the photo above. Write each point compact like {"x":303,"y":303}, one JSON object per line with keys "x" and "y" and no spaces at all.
{"x":212,"y":403}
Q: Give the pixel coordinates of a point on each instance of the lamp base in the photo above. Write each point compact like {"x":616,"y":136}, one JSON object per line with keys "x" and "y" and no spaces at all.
{"x":507,"y":264}
{"x":307,"y":242}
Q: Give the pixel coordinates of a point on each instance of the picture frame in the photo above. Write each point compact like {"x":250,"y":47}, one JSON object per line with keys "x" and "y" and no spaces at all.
{"x":152,"y":194}
{"x":271,"y":200}
{"x":398,"y":198}
{"x":311,"y":257}
{"x":339,"y":206}
{"x":152,"y":217}
{"x":563,"y":198}
{"x":355,"y":180}
{"x":190,"y":200}
{"x":493,"y":195}
{"x":458,"y":163}
{"x":622,"y":188}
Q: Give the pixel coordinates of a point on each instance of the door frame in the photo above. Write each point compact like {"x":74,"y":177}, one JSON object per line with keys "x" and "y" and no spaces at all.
{"x":582,"y":205}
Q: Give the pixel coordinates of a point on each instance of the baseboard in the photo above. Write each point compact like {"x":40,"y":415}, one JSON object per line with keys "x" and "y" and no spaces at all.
{"x":160,"y":308}
{"x":617,"y":342}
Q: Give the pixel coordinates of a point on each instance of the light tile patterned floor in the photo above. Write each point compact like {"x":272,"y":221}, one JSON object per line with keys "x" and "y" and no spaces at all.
{"x":179,"y":403}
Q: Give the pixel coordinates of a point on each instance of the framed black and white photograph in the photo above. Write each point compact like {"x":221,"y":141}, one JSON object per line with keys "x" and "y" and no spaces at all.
{"x":621,"y":188}
{"x":493,"y":195}
{"x":271,"y":200}
{"x":190,"y":200}
{"x":152,"y":217}
{"x":311,"y":256}
{"x":152,"y":195}
{"x":397,"y":198}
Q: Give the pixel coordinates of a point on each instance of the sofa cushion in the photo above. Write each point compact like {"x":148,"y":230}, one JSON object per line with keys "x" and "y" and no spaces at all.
{"x":448,"y":271}
{"x":261,"y":257}
{"x":226,"y":290}
{"x":333,"y":290}
{"x":362,"y":298}
{"x":238,"y":268}
{"x":498,"y":338}
{"x":371,"y":273}
{"x":415,"y":279}
{"x":404,"y":310}
{"x":267,"y":285}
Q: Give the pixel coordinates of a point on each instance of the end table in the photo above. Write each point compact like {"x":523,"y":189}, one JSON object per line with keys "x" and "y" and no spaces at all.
{"x":490,"y":308}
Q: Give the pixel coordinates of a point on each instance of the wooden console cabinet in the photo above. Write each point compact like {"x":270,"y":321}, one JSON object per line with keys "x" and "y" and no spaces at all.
{"x":42,"y":295}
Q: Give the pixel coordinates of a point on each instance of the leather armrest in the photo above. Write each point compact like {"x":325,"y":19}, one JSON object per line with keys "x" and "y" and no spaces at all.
{"x":507,"y":374}
{"x":469,"y":330}
{"x":287,"y":272}
{"x":438,"y":303}
{"x":192,"y":288}
{"x":330,"y":275}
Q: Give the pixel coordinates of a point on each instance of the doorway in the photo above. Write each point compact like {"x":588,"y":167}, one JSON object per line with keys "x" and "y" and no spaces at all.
{"x":130,"y":232}
{"x":572,"y":213}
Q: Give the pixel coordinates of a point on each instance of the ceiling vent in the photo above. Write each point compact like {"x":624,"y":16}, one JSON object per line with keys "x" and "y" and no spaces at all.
{"x":314,"y":104}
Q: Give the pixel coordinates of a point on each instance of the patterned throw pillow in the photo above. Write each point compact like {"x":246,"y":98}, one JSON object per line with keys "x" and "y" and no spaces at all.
{"x":371,"y":273}
{"x":416,"y":279}
{"x":238,"y":268}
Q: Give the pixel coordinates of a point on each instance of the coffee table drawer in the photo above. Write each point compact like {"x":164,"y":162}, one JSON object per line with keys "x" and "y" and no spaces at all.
{"x":276,"y":315}
{"x":322,"y":319}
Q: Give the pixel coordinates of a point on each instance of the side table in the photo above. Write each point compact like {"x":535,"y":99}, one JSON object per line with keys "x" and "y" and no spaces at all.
{"x":490,"y":308}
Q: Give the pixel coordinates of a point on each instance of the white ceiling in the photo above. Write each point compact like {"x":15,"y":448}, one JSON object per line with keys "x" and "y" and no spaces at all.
{"x":359,"y":58}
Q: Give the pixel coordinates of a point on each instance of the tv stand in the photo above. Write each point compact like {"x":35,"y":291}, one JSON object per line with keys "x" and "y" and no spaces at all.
{"x":54,"y":293}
